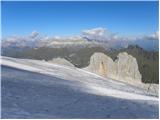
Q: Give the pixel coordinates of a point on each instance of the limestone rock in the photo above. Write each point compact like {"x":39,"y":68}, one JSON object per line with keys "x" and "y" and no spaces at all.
{"x":102,"y":65}
{"x":125,"y":67}
{"x":61,"y":61}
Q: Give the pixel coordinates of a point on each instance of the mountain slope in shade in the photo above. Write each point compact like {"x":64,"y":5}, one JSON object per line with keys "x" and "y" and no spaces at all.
{"x":38,"y":89}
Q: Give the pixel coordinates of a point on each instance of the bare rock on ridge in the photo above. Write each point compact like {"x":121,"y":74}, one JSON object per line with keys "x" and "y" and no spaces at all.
{"x":102,"y":65}
{"x":125,"y":67}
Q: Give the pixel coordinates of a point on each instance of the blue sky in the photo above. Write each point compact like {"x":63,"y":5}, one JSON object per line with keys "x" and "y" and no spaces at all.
{"x":70,"y":18}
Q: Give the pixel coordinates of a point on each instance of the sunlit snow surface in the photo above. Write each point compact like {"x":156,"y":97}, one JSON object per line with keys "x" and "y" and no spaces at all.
{"x":38,"y":89}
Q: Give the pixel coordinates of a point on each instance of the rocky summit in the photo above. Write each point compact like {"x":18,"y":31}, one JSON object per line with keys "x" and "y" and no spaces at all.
{"x":125,"y":67}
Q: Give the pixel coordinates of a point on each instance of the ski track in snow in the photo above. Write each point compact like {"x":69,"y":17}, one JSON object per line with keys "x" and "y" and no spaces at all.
{"x":68,"y":92}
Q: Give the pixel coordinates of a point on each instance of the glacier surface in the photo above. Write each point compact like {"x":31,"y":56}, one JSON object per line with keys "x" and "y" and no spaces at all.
{"x":38,"y":89}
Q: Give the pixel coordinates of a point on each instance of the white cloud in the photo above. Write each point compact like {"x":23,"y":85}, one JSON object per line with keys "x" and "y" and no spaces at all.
{"x":154,"y":36}
{"x":28,"y":40}
{"x":34,"y":34}
{"x":75,"y":37}
{"x":57,"y":37}
{"x":95,"y":31}
{"x":100,"y":34}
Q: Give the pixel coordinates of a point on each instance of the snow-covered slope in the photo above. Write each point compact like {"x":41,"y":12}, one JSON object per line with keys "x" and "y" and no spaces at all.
{"x":38,"y":89}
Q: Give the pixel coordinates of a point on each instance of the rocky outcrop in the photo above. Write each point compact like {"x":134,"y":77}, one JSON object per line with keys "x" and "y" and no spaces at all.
{"x":102,"y":65}
{"x":61,"y":61}
{"x":125,"y":67}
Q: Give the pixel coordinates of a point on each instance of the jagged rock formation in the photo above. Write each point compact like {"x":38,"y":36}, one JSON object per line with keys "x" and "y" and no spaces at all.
{"x":125,"y":67}
{"x":102,"y":65}
{"x":61,"y":61}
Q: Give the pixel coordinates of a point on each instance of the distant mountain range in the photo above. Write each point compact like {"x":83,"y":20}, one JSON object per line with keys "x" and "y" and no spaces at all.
{"x":88,"y":38}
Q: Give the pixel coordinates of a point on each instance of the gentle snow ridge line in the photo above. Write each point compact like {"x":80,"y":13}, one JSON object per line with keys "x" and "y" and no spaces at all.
{"x":120,"y":94}
{"x":91,"y":88}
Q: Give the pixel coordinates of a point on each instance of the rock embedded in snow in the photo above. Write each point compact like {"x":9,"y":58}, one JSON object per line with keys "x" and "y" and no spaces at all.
{"x":61,"y":61}
{"x":125,"y":67}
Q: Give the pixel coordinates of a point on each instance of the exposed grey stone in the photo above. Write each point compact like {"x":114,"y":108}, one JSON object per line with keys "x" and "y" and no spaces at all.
{"x":125,"y":67}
